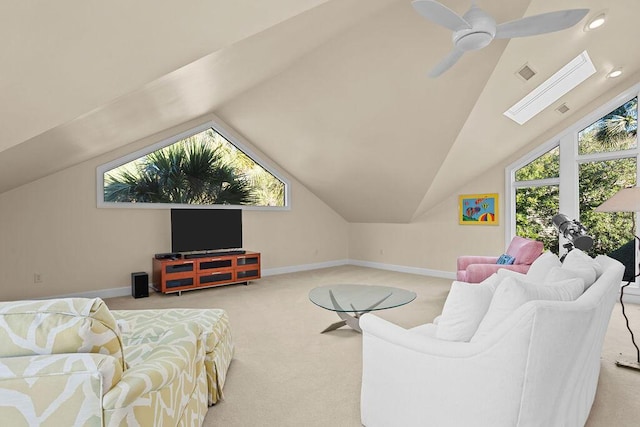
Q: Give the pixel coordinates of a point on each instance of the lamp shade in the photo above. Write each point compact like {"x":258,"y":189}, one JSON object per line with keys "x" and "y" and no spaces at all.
{"x":625,"y":200}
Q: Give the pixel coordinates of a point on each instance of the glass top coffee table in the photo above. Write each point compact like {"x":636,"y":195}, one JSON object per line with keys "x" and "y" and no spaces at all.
{"x":357,"y":299}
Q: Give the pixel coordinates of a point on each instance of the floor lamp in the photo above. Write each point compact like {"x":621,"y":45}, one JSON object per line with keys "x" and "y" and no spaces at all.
{"x":626,"y":200}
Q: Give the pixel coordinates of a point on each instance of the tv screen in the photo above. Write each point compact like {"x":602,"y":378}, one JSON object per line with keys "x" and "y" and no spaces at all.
{"x":205,"y":229}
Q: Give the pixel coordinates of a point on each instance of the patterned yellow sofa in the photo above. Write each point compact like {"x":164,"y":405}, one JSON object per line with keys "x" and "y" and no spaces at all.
{"x":67,"y":362}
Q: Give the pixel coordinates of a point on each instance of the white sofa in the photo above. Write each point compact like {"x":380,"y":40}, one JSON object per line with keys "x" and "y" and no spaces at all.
{"x":537,"y":367}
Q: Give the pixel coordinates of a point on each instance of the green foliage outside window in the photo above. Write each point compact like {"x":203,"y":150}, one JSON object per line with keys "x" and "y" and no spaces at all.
{"x":545,"y":166}
{"x":616,"y":131}
{"x":536,"y":206}
{"x":598,"y":181}
{"x":202,"y":169}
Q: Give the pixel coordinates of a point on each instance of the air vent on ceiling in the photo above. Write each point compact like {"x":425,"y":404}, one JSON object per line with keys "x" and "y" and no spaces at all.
{"x":562,"y":109}
{"x":526,"y":72}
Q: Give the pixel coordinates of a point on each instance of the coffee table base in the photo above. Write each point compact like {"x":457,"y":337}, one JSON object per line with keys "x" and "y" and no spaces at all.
{"x":352,"y":321}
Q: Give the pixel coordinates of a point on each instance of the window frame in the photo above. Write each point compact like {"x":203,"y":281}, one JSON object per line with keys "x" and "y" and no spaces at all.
{"x":210,"y":124}
{"x":570,"y":160}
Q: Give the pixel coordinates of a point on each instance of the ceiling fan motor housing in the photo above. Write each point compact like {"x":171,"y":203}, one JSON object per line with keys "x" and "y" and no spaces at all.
{"x":482,"y":31}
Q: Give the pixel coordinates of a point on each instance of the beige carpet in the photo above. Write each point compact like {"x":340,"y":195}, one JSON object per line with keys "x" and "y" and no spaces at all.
{"x":285,"y":373}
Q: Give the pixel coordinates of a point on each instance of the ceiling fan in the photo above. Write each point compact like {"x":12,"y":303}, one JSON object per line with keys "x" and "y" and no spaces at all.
{"x":476,"y":28}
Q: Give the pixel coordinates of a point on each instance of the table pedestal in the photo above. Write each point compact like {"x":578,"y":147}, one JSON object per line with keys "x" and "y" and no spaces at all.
{"x":352,"y":321}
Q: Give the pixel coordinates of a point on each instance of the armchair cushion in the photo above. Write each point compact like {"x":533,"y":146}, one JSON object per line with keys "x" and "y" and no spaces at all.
{"x":465,"y":261}
{"x":476,"y":273}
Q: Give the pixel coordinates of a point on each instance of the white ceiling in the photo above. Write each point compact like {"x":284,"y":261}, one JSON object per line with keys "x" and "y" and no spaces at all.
{"x":333,"y":91}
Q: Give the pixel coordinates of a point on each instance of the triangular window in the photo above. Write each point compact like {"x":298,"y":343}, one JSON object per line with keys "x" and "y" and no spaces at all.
{"x":203,"y":168}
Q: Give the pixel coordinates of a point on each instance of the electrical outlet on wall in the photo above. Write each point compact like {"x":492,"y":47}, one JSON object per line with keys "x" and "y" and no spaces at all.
{"x":37,"y":277}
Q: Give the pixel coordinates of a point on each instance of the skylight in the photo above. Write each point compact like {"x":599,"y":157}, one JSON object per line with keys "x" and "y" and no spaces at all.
{"x":556,"y":86}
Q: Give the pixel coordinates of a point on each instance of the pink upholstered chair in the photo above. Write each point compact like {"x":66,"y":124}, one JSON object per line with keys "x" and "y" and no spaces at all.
{"x":474,"y":269}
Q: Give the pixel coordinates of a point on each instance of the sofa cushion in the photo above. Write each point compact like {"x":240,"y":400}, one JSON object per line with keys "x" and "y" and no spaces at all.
{"x":583,"y":266}
{"x":465,"y":307}
{"x":55,"y":326}
{"x":541,"y":266}
{"x":558,"y":274}
{"x":512,"y":293}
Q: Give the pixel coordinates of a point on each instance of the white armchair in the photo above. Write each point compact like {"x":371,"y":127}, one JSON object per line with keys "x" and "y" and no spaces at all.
{"x":539,"y":367}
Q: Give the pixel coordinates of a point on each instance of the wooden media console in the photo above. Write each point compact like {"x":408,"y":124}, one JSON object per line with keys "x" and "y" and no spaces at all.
{"x":204,"y":271}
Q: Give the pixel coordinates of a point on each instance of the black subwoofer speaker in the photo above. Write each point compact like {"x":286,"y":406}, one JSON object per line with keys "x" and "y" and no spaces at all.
{"x":139,"y":285}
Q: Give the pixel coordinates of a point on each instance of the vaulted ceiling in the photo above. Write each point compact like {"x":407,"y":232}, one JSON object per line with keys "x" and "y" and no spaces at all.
{"x":334,"y":91}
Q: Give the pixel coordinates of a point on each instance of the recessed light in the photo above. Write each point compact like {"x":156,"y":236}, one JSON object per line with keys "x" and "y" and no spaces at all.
{"x":616,"y":72}
{"x":595,"y":22}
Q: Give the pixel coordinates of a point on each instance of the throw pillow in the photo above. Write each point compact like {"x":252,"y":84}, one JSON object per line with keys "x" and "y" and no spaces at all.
{"x":463,"y":310}
{"x":582,"y":265}
{"x":506,"y":259}
{"x":492,"y":281}
{"x":541,"y":266}
{"x":513,"y":293}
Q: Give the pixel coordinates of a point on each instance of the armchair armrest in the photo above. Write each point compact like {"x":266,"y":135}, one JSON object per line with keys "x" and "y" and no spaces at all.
{"x":467,"y":260}
{"x":57,"y":389}
{"x":397,"y":335}
{"x":409,"y":379}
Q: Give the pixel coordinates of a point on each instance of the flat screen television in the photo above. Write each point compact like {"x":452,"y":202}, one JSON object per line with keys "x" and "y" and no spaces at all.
{"x":205,"y":229}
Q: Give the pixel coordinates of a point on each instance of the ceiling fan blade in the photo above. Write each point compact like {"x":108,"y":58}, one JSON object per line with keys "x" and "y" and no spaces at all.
{"x":446,"y":63}
{"x":540,"y":24}
{"x":436,"y":12}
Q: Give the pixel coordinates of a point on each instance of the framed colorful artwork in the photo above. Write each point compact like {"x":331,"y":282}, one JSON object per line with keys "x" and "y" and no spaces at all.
{"x":478,"y":209}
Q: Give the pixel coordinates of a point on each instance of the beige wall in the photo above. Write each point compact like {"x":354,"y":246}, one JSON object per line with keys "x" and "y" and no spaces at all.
{"x":434,"y":240}
{"x":53,"y":227}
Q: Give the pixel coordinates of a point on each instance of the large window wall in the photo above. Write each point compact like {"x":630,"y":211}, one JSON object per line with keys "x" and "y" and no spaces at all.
{"x":576,"y":172}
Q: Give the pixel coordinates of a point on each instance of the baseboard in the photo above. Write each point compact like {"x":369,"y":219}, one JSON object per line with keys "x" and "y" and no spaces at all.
{"x":631,"y":294}
{"x":101,"y":293}
{"x":303,"y":267}
{"x":404,"y":269}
